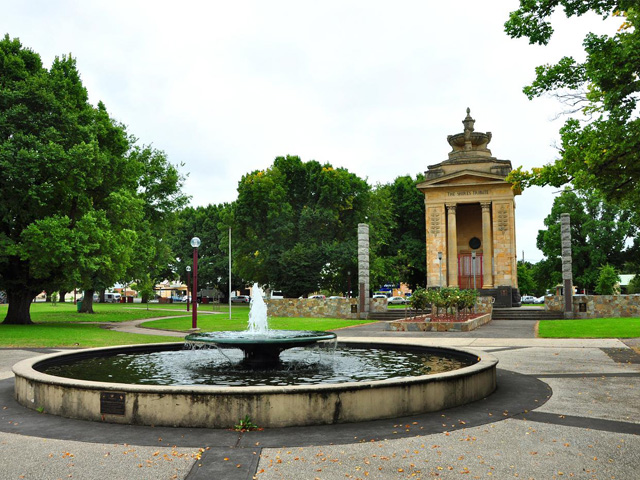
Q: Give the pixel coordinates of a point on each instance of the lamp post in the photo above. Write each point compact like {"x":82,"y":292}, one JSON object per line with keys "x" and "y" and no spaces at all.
{"x":473,"y":267}
{"x":195,"y":243}
{"x":229,"y":273}
{"x":349,"y":284}
{"x":188,"y":289}
{"x":440,"y":262}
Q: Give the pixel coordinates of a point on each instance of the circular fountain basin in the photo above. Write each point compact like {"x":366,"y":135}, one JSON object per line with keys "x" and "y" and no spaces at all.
{"x":268,"y":406}
{"x":260,"y":349}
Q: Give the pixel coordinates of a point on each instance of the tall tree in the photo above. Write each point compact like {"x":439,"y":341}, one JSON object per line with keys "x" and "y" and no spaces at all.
{"x":599,"y":235}
{"x":526,"y":279}
{"x":73,"y":192}
{"x":600,"y":147}
{"x":209,"y":224}
{"x":296,"y":225}
{"x":48,"y":149}
{"x":159,"y":188}
{"x":400,"y":254}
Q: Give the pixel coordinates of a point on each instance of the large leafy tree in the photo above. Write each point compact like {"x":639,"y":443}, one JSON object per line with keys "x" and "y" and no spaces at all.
{"x":400,"y":246}
{"x":295,"y":225}
{"x":599,"y":235}
{"x":210,"y":224}
{"x":159,"y":190}
{"x":600,"y":142}
{"x":73,"y":193}
{"x":526,"y":279}
{"x":48,"y":150}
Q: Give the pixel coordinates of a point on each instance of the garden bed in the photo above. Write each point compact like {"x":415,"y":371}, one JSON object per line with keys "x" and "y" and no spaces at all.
{"x":440,"y":323}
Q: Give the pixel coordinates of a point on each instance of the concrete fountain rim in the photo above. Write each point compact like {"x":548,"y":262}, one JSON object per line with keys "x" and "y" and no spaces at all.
{"x":25,"y":369}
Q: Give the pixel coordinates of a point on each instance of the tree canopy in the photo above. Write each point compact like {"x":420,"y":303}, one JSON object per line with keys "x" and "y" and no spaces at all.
{"x":295,"y":225}
{"x":210,"y":224}
{"x":599,"y":235}
{"x":600,"y":141}
{"x":75,"y":190}
{"x":399,"y":246}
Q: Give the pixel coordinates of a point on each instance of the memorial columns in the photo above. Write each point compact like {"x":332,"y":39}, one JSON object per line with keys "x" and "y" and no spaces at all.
{"x":452,"y":246}
{"x":487,"y":246}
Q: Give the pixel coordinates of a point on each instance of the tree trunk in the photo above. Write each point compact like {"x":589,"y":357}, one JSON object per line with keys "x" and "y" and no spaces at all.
{"x":62,"y":295}
{"x":18,"y":312}
{"x":47,"y":298}
{"x":100,"y":294}
{"x":87,"y":302}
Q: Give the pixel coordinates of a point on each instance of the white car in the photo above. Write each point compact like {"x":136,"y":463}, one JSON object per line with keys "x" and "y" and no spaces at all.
{"x":379,"y":295}
{"x":528,"y":299}
{"x":397,"y":301}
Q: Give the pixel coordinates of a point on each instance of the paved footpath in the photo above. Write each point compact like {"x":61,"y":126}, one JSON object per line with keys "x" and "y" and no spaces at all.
{"x":563,"y":409}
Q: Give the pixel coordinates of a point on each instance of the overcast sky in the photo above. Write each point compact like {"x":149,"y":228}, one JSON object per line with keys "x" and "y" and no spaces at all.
{"x":375,"y":87}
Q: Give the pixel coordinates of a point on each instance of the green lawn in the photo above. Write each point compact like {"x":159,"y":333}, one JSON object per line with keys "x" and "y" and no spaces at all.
{"x":62,"y":335}
{"x":60,"y":325}
{"x":240,"y":318}
{"x":590,"y":328}
{"x":104,"y":312}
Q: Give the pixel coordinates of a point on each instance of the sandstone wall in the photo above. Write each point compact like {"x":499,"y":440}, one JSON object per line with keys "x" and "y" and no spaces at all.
{"x":597,"y":306}
{"x":484,"y":305}
{"x":318,"y":308}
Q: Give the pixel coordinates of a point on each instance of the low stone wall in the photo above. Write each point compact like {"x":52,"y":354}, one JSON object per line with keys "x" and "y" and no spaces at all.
{"x":319,"y":308}
{"x":597,"y":306}
{"x":435,"y":326}
{"x":484,"y":305}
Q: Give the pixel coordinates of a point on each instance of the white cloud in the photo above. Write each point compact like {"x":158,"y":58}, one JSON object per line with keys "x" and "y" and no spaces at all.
{"x":372,"y":86}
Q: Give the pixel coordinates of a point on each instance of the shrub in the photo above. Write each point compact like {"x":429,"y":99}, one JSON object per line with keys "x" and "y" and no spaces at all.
{"x":450,"y":298}
{"x":608,"y":281}
{"x":420,"y":299}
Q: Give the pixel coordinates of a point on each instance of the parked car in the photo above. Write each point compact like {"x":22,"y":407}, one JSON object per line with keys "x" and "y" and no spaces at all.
{"x":528,"y":299}
{"x":333,"y":297}
{"x":112,"y":298}
{"x":241,"y":299}
{"x":397,"y":301}
{"x":379,"y":295}
{"x":539,"y":300}
{"x":318,"y":297}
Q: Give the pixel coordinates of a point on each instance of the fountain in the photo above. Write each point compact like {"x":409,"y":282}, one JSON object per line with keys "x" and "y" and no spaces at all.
{"x":261,"y":346}
{"x":274,"y":380}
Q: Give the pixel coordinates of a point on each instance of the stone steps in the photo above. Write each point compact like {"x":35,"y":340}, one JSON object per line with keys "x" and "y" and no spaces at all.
{"x":525,"y":314}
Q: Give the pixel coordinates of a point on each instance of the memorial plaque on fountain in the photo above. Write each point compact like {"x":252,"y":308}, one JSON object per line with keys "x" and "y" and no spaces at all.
{"x":112,"y":403}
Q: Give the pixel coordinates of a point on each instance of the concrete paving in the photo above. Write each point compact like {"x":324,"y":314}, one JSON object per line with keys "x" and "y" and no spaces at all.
{"x":563,"y":409}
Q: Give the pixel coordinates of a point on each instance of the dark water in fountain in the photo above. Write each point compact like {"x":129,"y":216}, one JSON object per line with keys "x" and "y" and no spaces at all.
{"x":298,"y":366}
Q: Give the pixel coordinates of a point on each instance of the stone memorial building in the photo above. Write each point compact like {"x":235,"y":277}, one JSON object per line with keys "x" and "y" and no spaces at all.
{"x":470,"y":219}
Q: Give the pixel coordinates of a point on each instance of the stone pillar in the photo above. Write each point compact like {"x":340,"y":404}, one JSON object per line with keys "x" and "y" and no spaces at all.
{"x":487,"y":246}
{"x":503,"y":244}
{"x":567,"y":275}
{"x":452,"y":246}
{"x":436,"y":242}
{"x":363,"y":269}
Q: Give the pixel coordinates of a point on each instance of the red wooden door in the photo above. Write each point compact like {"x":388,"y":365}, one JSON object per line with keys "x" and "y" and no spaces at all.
{"x":466,"y":271}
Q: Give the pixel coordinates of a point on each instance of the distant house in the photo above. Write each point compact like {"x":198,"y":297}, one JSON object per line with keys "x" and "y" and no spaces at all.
{"x":625,"y":280}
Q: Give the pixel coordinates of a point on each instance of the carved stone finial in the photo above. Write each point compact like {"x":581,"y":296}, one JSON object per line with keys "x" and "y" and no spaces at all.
{"x":469,"y":142}
{"x":468,"y":122}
